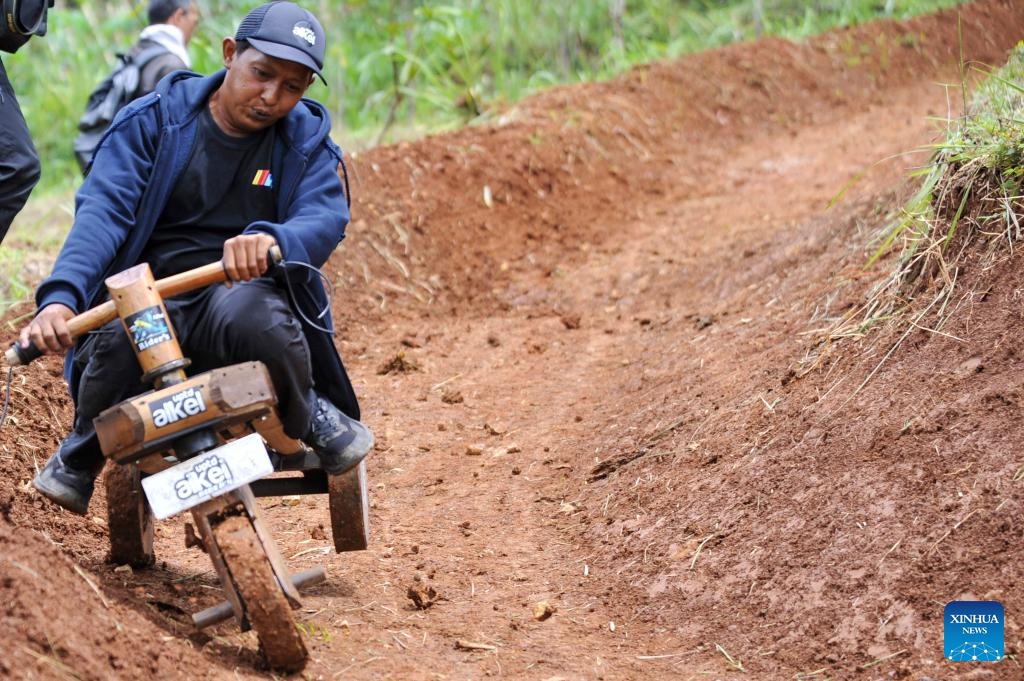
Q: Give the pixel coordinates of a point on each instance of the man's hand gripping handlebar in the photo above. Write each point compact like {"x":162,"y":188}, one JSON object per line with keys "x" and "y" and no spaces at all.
{"x":214,"y":273}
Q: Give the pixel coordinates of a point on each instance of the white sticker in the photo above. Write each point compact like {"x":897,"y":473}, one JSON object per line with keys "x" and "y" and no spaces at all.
{"x":206,"y":476}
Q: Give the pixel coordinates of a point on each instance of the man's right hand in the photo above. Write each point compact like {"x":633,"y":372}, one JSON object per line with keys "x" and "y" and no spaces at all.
{"x":49,"y":330}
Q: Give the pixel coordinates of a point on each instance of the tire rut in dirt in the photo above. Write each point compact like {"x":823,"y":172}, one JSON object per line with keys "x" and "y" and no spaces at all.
{"x":265,"y":604}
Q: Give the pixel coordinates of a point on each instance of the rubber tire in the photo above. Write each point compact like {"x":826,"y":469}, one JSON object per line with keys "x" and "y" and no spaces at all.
{"x":265,"y":605}
{"x":129,"y":519}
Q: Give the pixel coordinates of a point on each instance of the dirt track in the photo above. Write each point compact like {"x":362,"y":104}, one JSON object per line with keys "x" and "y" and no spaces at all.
{"x":610,"y":406}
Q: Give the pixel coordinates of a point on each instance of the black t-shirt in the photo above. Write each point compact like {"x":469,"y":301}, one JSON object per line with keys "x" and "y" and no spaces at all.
{"x":227,"y":185}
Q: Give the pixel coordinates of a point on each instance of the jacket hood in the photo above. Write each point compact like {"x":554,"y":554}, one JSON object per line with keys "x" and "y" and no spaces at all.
{"x":308,"y":121}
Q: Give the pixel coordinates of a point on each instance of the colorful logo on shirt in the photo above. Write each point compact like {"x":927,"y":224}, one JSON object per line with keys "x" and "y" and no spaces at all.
{"x":263,"y":178}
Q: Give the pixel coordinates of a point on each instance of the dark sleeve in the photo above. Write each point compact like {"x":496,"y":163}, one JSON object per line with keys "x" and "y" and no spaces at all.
{"x":106,"y":206}
{"x":19,"y":161}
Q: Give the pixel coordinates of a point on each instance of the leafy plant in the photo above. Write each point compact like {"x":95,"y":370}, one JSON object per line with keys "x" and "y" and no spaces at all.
{"x":398,"y":65}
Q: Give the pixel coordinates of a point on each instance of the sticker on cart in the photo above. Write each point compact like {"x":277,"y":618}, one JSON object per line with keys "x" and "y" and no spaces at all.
{"x":206,"y":476}
{"x":148,"y":327}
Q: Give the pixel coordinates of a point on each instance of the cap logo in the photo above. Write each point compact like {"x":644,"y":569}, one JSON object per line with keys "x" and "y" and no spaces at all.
{"x":302,"y":31}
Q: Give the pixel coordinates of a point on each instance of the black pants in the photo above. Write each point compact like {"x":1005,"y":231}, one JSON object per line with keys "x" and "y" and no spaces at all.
{"x":19,"y":162}
{"x":215,"y":327}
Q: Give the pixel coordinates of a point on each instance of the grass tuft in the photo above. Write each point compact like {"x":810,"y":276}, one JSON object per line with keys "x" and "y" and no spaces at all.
{"x":971,"y":194}
{"x":965,"y":212}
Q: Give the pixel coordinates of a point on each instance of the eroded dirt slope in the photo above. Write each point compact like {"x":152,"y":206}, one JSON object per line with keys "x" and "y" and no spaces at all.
{"x":609,"y":305}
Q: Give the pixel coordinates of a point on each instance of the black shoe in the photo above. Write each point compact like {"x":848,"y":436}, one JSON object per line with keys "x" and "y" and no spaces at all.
{"x":340,"y":442}
{"x":65,"y":486}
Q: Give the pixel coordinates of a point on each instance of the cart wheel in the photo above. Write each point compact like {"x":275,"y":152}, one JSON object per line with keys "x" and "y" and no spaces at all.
{"x":350,"y":509}
{"x":265,"y":605}
{"x":129,"y":519}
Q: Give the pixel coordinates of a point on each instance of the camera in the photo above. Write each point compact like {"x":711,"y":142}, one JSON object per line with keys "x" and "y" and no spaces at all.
{"x":21,"y":20}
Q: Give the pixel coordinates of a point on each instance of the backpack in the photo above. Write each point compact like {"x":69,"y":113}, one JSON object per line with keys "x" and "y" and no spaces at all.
{"x":109,"y":97}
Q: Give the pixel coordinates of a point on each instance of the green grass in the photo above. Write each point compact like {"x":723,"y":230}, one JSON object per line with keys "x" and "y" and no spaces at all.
{"x":967,"y":207}
{"x":397,"y":65}
{"x":28,"y":253}
{"x":397,"y":69}
{"x":972,"y":185}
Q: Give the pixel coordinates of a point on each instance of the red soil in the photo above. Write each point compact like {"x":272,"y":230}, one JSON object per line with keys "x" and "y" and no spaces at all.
{"x":622,"y":402}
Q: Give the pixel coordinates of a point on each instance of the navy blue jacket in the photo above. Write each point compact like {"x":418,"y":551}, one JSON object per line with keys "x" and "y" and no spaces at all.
{"x":137,"y":164}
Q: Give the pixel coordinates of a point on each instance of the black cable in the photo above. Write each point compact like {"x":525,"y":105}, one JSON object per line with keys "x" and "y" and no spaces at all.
{"x":295,"y":303}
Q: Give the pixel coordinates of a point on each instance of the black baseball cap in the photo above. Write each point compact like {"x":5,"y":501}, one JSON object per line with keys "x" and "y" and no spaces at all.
{"x":286,"y":31}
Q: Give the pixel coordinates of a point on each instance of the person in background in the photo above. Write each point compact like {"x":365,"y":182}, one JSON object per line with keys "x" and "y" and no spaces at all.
{"x":161,"y":49}
{"x":171,"y":25}
{"x":19,"y":161}
{"x":212,"y":167}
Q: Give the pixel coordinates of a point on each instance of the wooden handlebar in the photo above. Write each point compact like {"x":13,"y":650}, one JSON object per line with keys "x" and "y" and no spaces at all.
{"x":167,"y":287}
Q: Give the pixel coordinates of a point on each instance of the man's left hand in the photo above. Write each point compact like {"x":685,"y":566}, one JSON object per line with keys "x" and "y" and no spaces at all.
{"x":245,"y":256}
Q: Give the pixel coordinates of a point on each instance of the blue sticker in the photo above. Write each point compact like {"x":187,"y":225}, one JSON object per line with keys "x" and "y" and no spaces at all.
{"x":148,"y":327}
{"x":973,"y":631}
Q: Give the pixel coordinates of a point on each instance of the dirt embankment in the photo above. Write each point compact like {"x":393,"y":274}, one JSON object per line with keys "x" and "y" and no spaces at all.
{"x":610,"y":303}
